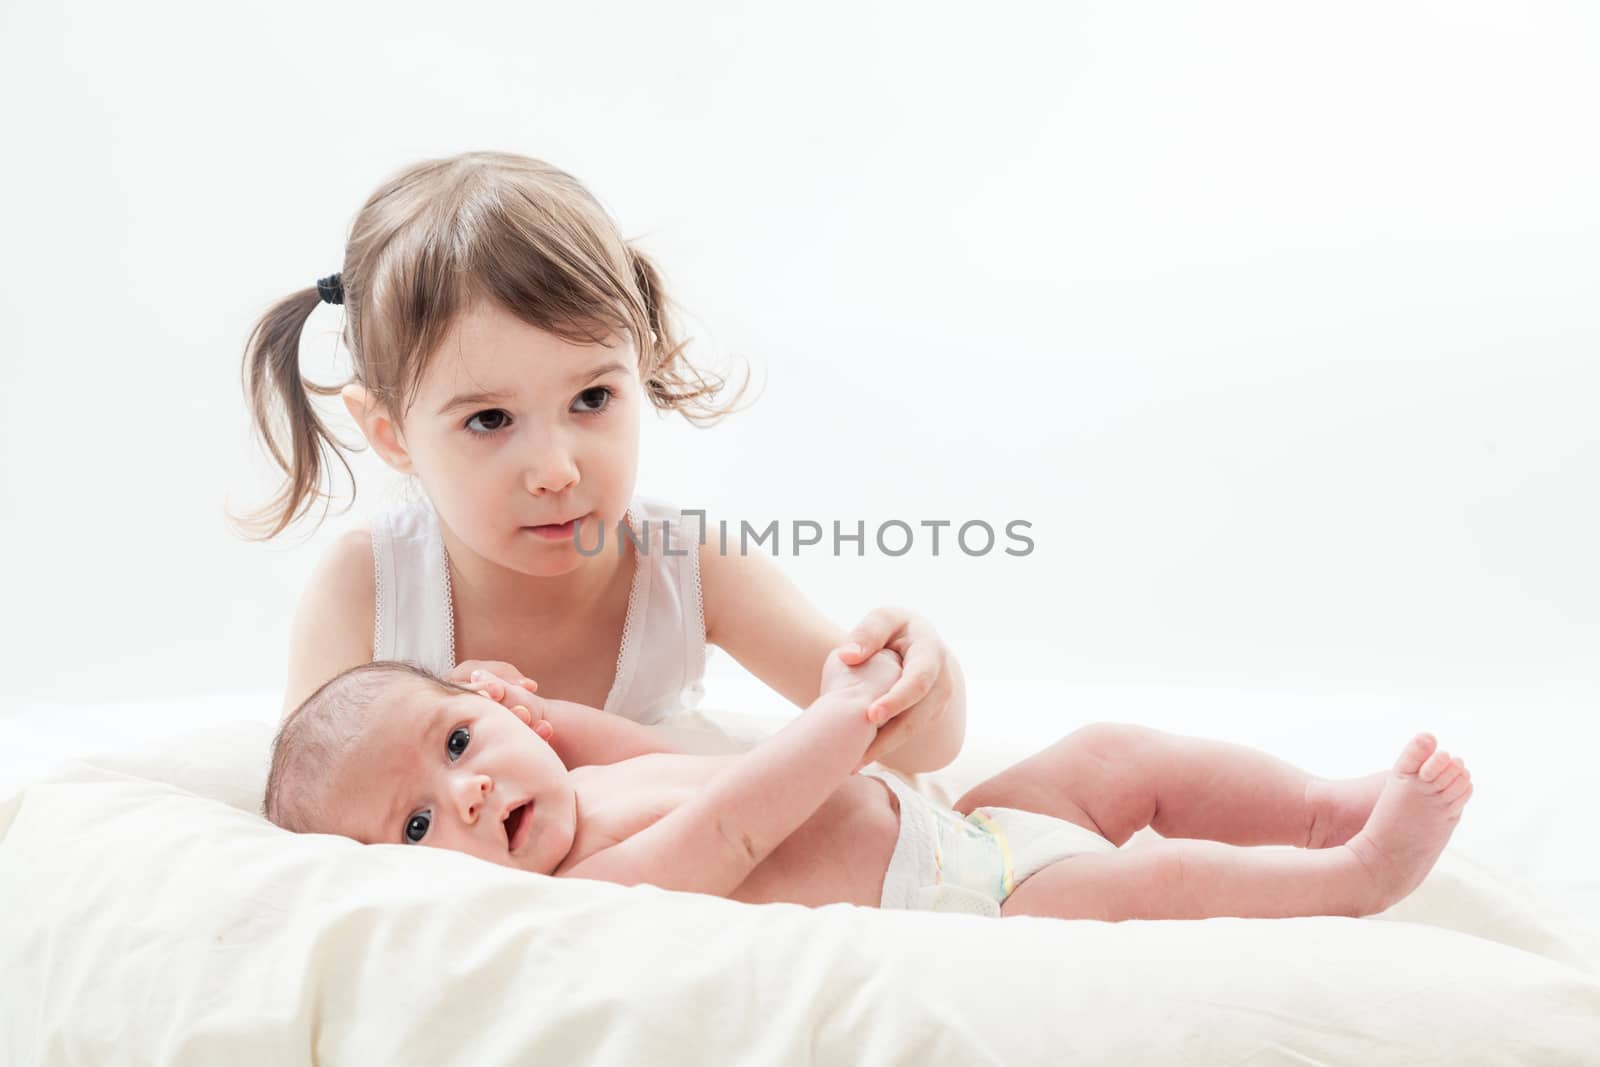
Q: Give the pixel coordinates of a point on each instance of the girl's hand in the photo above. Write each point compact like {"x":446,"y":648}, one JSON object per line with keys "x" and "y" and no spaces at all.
{"x":871,"y":679}
{"x":489,"y":677}
{"x":929,"y":682}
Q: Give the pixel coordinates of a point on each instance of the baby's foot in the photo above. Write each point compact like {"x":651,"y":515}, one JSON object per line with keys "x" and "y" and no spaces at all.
{"x":1415,"y":814}
{"x":1339,"y":808}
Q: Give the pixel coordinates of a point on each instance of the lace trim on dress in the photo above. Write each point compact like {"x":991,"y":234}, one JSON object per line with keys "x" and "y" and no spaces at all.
{"x":379,"y":616}
{"x":692,"y":668}
{"x":629,"y":620}
{"x":449,"y":604}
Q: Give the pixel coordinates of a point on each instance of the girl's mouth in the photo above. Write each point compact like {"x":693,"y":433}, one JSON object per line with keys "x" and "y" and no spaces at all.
{"x":518,"y":825}
{"x":561,"y":531}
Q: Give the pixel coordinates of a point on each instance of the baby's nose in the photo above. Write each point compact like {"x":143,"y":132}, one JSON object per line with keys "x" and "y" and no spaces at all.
{"x":471,"y":789}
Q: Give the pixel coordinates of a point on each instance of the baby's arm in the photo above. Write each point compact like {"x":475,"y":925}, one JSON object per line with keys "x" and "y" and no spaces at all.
{"x":712,"y":842}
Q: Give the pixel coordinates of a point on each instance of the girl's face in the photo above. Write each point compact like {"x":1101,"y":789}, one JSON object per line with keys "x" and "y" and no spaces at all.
{"x":515,"y":432}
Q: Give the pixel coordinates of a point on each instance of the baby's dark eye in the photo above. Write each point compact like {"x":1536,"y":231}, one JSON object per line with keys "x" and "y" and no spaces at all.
{"x":417,"y":827}
{"x":494,"y":418}
{"x":458,"y":741}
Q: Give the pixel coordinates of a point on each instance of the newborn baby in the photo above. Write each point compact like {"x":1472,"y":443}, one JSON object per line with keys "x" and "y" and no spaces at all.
{"x":386,"y":753}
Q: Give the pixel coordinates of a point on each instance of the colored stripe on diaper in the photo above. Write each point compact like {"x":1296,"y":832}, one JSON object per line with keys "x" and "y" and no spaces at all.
{"x":993,"y":829}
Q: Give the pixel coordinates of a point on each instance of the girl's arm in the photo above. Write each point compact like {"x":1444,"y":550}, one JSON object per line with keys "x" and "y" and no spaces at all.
{"x":332,"y":628}
{"x":582,"y":736}
{"x":712,"y":842}
{"x":760,"y":618}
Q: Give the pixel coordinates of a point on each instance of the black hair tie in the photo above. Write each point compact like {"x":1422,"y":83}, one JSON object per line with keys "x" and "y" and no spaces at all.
{"x":331,"y":289}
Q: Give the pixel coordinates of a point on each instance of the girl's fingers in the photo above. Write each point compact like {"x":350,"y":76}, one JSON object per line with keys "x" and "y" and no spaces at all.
{"x":462,"y":672}
{"x":500,"y":691}
{"x":912,"y":687}
{"x":488,"y":685}
{"x":501,"y":667}
{"x":859,"y":646}
{"x":889,"y":738}
{"x":916,"y":682}
{"x":516,"y":694}
{"x":533,"y":717}
{"x":871,"y":634}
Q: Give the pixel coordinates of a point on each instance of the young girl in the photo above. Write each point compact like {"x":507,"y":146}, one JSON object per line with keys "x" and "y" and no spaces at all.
{"x":505,"y":341}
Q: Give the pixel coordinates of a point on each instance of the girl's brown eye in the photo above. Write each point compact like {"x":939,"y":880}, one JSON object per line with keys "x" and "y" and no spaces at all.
{"x":457,"y":742}
{"x":594,"y":399}
{"x":494,"y":417}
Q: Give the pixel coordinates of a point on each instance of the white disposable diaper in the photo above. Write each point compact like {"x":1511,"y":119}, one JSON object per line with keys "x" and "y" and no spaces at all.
{"x":944,"y":861}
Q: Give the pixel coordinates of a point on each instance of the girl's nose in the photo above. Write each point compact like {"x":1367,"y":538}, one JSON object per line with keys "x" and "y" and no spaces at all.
{"x":551,"y":471}
{"x":469,"y":792}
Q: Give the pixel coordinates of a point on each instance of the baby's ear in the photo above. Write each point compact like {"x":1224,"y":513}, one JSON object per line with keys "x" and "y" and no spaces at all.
{"x":378,"y":427}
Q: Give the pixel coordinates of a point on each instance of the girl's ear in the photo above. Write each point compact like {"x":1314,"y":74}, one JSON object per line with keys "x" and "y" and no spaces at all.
{"x":378,"y":428}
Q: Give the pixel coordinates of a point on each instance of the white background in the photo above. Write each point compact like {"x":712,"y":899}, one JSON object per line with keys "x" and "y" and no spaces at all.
{"x":1277,"y":322}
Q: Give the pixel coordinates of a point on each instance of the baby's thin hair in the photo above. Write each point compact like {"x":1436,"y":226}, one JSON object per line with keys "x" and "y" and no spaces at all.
{"x":315,"y":737}
{"x":433,"y":240}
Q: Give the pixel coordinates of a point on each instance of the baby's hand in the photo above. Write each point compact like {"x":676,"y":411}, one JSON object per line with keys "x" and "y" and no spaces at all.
{"x":869,"y":680}
{"x":931,"y":690}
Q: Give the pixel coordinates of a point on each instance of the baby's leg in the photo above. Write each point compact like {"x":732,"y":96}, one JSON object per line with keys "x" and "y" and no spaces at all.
{"x":1419,"y":808}
{"x":1117,"y":779}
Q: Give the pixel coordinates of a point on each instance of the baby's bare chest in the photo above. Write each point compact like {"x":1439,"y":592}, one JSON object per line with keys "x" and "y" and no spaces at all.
{"x":839,"y":855}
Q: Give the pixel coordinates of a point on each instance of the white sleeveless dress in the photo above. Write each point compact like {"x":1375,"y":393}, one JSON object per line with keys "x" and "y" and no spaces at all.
{"x":661,"y":664}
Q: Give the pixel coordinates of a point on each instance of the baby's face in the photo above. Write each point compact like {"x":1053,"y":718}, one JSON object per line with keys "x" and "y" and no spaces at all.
{"x":457,"y":771}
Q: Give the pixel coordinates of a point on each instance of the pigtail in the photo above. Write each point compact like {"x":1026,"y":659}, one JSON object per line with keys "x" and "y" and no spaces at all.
{"x":673,"y":382}
{"x":284,"y":417}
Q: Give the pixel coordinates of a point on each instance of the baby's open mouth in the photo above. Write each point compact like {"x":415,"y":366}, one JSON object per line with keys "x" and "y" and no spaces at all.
{"x":516,"y":823}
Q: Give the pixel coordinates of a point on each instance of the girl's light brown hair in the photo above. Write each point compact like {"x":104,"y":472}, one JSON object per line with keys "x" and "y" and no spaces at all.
{"x":431,"y":241}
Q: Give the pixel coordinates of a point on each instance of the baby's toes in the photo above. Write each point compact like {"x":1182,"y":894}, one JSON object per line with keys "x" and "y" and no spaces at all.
{"x":1453,"y":770}
{"x":1456,"y":796}
{"x":1434,"y":765}
{"x":1413,"y":755}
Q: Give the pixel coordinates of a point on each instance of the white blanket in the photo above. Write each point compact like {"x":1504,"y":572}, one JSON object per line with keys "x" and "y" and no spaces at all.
{"x":148,"y":915}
